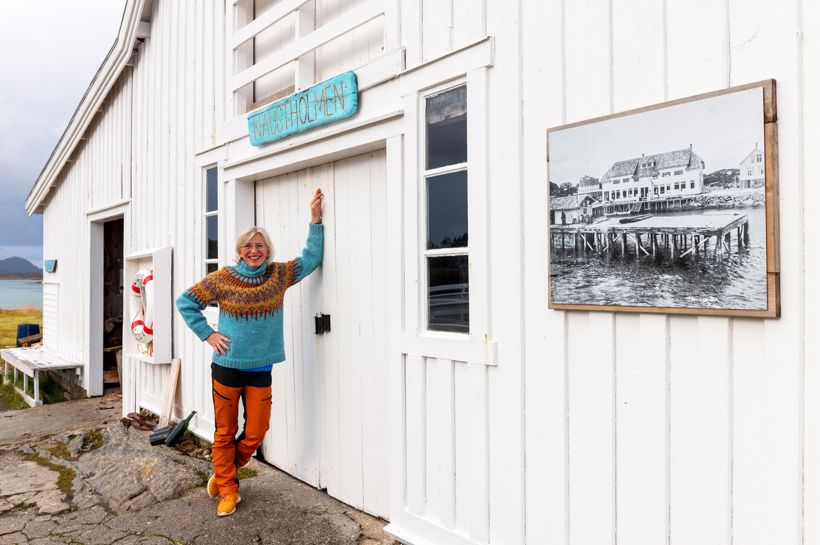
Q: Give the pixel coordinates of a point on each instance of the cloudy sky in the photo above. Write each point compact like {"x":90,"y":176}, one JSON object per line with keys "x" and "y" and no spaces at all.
{"x":723,"y":130}
{"x":49,"y":52}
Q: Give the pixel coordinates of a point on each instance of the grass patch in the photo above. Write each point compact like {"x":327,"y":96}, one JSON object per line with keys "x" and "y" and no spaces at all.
{"x":245,"y":473}
{"x":10,"y":399}
{"x":66,"y":474}
{"x":50,"y":391}
{"x":9,"y":318}
{"x":60,"y":450}
{"x":93,"y":440}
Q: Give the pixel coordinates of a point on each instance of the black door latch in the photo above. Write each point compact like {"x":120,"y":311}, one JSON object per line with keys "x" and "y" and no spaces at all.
{"x":322,"y":322}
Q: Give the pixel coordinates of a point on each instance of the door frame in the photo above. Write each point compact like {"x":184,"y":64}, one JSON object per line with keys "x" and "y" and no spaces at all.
{"x":93,"y":338}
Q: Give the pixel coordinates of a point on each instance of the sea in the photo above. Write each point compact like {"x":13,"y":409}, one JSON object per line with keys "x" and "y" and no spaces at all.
{"x":21,"y":293}
{"x":737,"y":281}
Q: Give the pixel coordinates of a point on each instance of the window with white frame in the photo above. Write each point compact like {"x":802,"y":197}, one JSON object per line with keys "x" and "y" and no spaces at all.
{"x":211,"y":221}
{"x":445,"y":187}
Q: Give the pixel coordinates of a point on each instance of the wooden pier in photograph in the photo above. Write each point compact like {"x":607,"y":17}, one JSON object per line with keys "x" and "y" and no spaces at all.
{"x":656,"y":236}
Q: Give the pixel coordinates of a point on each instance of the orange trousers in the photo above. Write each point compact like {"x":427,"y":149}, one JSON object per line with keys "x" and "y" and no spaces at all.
{"x":230,"y":452}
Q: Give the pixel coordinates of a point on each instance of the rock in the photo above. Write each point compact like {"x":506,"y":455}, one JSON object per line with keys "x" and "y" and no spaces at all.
{"x":75,"y":445}
{"x":98,"y":535}
{"x":21,"y":477}
{"x":39,"y":528}
{"x":95,"y":515}
{"x":14,"y":522}
{"x":13,"y":539}
{"x":19,"y":499}
{"x":51,"y":502}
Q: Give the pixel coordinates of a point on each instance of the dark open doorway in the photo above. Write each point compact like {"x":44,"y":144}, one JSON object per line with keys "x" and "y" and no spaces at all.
{"x":112,"y":303}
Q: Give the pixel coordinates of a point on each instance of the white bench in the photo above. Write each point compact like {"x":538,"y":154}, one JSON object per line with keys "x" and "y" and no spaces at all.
{"x":30,"y":361}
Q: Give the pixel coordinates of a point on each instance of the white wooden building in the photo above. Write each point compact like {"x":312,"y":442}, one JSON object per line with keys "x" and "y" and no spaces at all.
{"x":536,"y":426}
{"x":752,"y":170}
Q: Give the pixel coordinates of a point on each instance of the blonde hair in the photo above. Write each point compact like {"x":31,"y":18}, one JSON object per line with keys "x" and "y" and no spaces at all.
{"x":248,"y":234}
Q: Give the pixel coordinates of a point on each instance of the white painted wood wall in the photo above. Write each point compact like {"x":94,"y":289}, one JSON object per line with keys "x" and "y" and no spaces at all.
{"x":592,"y":427}
{"x":668,"y":429}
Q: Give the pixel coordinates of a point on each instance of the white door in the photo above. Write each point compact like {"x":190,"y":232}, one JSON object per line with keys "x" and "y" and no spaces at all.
{"x":329,"y":421}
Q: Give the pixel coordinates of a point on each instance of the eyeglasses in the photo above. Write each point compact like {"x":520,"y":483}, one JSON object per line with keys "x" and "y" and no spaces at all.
{"x":250,"y":246}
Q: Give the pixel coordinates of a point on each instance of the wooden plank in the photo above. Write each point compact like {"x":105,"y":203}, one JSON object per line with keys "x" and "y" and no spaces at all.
{"x":411,"y":31}
{"x":642,"y":428}
{"x":811,"y":224}
{"x":169,"y":392}
{"x":295,"y":216}
{"x":440,"y":443}
{"x":437,"y":27}
{"x":469,"y":22}
{"x":416,"y":400}
{"x":265,"y":20}
{"x":591,"y":421}
{"x":767,"y":446}
{"x":328,"y":351}
{"x":701,"y":430}
{"x":588,"y":69}
{"x":339,"y":26}
{"x":411,"y":242}
{"x":471,"y":451}
{"x":346,"y":173}
{"x":376,"y":421}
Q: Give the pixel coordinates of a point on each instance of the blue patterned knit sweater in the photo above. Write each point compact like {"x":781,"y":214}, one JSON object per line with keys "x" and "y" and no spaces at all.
{"x":250,"y":306}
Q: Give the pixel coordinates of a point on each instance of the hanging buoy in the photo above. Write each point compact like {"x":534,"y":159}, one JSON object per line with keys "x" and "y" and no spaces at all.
{"x":142,"y":306}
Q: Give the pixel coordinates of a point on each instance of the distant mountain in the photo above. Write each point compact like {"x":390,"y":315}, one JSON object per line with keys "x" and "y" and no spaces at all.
{"x":17,"y":265}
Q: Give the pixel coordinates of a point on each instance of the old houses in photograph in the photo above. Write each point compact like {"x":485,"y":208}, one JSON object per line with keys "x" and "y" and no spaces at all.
{"x":491,"y":419}
{"x":752,"y":170}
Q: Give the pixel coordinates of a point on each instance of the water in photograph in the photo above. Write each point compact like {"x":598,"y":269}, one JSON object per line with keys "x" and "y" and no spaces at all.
{"x":737,"y":281}
{"x":17,"y":293}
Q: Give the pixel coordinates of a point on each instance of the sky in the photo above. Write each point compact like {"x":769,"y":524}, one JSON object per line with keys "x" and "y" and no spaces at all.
{"x":723,"y":130}
{"x":49,"y":53}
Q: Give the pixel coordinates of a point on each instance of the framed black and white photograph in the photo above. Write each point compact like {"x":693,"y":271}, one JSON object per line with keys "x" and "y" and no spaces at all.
{"x":670,"y":208}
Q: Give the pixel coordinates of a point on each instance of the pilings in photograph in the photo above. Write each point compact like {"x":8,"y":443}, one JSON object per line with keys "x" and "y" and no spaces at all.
{"x":678,"y":237}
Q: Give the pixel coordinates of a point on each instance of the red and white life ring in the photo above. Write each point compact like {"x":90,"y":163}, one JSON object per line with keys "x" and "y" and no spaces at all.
{"x":142,"y":306}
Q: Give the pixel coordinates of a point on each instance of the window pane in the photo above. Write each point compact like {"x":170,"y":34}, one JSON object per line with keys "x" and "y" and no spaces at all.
{"x":448,"y":296}
{"x":211,"y":203}
{"x":446,"y":117}
{"x":211,"y":226}
{"x":211,"y":267}
{"x":447,"y":210}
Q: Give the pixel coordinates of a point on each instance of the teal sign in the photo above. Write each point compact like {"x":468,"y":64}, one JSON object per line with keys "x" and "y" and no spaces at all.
{"x":326,"y":102}
{"x":50,"y":265}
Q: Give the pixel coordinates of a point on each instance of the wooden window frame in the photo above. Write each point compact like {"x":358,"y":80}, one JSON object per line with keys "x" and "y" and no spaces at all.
{"x":208,"y":214}
{"x":426,"y":174}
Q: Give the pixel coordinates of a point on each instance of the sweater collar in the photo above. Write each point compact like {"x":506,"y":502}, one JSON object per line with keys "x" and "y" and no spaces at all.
{"x":245,"y":270}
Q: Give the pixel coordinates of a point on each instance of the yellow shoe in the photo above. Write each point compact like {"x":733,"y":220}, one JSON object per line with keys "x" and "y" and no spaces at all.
{"x":213,"y":490}
{"x":227,"y":504}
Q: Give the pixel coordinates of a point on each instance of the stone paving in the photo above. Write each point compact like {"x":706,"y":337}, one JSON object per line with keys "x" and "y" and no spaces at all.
{"x":93,"y":481}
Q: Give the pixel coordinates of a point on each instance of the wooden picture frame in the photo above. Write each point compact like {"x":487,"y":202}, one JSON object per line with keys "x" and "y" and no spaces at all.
{"x":642,"y":221}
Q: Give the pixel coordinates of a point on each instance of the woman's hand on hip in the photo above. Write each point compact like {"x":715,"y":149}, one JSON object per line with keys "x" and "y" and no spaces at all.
{"x":219,"y":343}
{"x":316,"y":207}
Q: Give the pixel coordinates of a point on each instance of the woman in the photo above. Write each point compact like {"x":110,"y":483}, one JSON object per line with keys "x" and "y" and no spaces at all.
{"x":248,"y":343}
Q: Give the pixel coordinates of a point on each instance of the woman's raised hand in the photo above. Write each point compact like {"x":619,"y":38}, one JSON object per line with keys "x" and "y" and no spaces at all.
{"x":218,"y":342}
{"x":316,"y":207}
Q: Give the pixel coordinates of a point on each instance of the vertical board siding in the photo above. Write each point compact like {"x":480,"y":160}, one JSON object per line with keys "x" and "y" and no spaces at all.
{"x":351,"y":50}
{"x":545,"y":330}
{"x":334,"y":383}
{"x":811,"y":387}
{"x":709,"y":424}
{"x":141,"y":146}
{"x":767,"y":447}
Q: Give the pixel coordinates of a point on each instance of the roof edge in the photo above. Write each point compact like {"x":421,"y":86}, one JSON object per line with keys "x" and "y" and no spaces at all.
{"x":110,"y":69}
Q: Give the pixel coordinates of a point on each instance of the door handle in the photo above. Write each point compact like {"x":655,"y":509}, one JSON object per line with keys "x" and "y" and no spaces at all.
{"x":322,"y":323}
